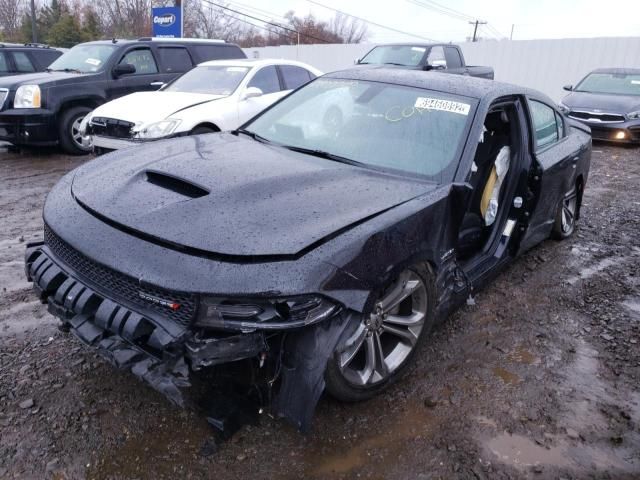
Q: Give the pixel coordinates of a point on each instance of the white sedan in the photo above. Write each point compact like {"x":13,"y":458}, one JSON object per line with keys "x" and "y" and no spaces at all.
{"x":215,"y":96}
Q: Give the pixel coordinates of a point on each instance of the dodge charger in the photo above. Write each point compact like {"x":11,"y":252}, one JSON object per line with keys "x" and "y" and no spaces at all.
{"x":318,"y":244}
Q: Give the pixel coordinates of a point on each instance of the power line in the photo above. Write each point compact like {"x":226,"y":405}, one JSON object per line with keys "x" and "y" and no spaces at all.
{"x":267,"y":22}
{"x":436,"y":7}
{"x":257,"y":26}
{"x":259,"y":10}
{"x":370,"y":22}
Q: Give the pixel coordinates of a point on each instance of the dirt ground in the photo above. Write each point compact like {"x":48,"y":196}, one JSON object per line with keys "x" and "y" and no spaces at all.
{"x":538,"y":379}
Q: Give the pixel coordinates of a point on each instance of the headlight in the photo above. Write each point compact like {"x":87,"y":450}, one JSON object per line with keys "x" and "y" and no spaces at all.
{"x":633,"y":115}
{"x":159,"y":129}
{"x":27,"y":96}
{"x":275,"y":314}
{"x":563,"y":108}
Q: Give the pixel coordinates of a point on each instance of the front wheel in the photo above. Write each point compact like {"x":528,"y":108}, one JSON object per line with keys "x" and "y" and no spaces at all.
{"x":71,"y":139}
{"x":383,"y":344}
{"x":565,"y":222}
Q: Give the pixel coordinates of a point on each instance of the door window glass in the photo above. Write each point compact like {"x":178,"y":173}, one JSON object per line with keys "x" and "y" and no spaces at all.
{"x":4,"y":67}
{"x":142,"y":59}
{"x":452,"y":56}
{"x":174,"y":59}
{"x":266,"y":79}
{"x":23,"y":63}
{"x":544,"y":124}
{"x":294,"y":76}
{"x":436,"y":58}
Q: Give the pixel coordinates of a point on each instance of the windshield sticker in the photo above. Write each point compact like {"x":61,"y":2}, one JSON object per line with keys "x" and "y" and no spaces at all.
{"x":443,"y":105}
{"x":418,"y":49}
{"x":93,"y":61}
{"x":635,"y":82}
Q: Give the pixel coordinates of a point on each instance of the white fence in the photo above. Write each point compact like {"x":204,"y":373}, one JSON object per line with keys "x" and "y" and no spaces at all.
{"x":545,"y":65}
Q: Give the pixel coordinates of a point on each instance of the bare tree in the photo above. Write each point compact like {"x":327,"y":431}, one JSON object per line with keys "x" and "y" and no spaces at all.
{"x":125,"y":18}
{"x":349,"y":29}
{"x":11,"y":12}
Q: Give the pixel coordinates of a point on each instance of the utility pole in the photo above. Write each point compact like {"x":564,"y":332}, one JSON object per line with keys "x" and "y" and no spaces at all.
{"x":475,"y":29}
{"x":34,"y":31}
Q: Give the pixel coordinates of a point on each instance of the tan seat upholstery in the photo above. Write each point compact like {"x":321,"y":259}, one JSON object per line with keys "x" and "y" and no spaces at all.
{"x":488,"y":190}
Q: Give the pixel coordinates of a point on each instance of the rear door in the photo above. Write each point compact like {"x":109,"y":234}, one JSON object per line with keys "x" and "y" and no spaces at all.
{"x":146,"y":78}
{"x":268,"y":81}
{"x":556,"y":154}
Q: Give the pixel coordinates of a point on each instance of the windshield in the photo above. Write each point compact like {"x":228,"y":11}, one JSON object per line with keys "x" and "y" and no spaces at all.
{"x":215,"y":80}
{"x":378,"y":125}
{"x":616,"y":83}
{"x":84,"y":58}
{"x":396,"y":55}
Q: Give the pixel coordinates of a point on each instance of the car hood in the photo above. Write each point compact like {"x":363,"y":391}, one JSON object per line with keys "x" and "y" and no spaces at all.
{"x":229,"y":195}
{"x":42,"y":79}
{"x":604,"y":102}
{"x":145,"y":107}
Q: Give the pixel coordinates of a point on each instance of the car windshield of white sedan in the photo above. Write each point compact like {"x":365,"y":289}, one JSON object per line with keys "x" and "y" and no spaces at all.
{"x":615,"y":83}
{"x":83,"y":59}
{"x":377,"y":125}
{"x":214,"y":80}
{"x":395,"y":55}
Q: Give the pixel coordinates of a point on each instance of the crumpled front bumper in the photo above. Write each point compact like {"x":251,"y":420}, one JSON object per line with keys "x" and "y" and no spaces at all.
{"x":159,"y":352}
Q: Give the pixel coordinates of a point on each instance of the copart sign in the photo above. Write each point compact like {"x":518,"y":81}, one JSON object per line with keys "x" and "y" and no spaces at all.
{"x":167,"y":22}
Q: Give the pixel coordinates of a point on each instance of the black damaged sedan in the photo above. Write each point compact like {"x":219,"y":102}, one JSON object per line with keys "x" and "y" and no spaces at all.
{"x":318,"y":245}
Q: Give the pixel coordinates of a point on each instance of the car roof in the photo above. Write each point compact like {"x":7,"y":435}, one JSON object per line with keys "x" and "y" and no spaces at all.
{"x":26,"y":46}
{"x":125,"y":41}
{"x":254,"y":62}
{"x":619,"y":71}
{"x":468,"y":86}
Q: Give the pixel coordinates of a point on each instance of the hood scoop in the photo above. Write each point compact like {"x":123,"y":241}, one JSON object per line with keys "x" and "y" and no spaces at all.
{"x":176,"y":184}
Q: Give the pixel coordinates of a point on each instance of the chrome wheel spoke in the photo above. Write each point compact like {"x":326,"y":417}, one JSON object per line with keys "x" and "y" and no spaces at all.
{"x":375,"y":367}
{"x":403,"y":289}
{"x":416,"y":318}
{"x":405,"y":334}
{"x":353,"y":345}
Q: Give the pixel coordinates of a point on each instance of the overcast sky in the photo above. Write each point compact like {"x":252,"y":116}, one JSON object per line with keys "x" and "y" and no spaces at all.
{"x":531,"y":18}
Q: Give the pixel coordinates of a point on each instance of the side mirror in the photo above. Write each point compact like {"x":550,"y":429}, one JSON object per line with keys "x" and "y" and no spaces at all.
{"x":123,"y":69}
{"x":568,"y":88}
{"x":252,"y":92}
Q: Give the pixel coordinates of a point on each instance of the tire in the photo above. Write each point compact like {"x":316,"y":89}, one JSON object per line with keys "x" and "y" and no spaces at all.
{"x":202,"y":130}
{"x":565,"y":221}
{"x":374,"y":357}
{"x":68,"y":133}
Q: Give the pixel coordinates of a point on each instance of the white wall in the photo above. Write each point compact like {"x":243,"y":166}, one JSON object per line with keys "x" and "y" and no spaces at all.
{"x":545,"y":65}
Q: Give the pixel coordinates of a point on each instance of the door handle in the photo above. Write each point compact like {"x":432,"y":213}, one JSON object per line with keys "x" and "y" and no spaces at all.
{"x":156,"y":84}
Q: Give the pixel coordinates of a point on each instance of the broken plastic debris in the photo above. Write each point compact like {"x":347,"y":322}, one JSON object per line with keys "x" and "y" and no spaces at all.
{"x":470,"y":300}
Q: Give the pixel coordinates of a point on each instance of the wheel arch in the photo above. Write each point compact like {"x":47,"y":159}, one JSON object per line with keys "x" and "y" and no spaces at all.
{"x":210,"y":125}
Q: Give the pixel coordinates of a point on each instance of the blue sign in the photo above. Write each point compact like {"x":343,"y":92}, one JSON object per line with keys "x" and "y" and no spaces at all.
{"x":167,"y":22}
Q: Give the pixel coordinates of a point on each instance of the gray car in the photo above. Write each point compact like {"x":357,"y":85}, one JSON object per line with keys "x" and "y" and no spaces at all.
{"x":608,"y":101}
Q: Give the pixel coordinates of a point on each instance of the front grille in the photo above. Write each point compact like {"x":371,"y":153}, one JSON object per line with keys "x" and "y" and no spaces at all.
{"x":112,"y":283}
{"x":596,"y":116}
{"x":4,"y":93}
{"x":111,"y":127}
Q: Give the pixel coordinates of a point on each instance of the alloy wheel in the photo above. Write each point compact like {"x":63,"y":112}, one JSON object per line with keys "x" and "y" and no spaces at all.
{"x":568,"y":213}
{"x":81,"y":141}
{"x":386,"y":337}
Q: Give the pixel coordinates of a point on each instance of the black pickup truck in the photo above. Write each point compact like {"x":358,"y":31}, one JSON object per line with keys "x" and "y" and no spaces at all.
{"x":444,"y":57}
{"x":47,"y":108}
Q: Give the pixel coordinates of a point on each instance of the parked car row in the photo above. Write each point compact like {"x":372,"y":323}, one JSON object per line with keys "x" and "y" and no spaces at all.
{"x":83,"y":100}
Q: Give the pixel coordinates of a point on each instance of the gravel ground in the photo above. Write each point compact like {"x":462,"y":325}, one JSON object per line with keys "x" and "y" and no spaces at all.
{"x":538,"y":379}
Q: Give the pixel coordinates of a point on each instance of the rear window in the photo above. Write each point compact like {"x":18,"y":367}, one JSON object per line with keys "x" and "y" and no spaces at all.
{"x":294,"y":76}
{"x":216,"y":52}
{"x":45,"y":57}
{"x":23,"y":62}
{"x":174,"y":59}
